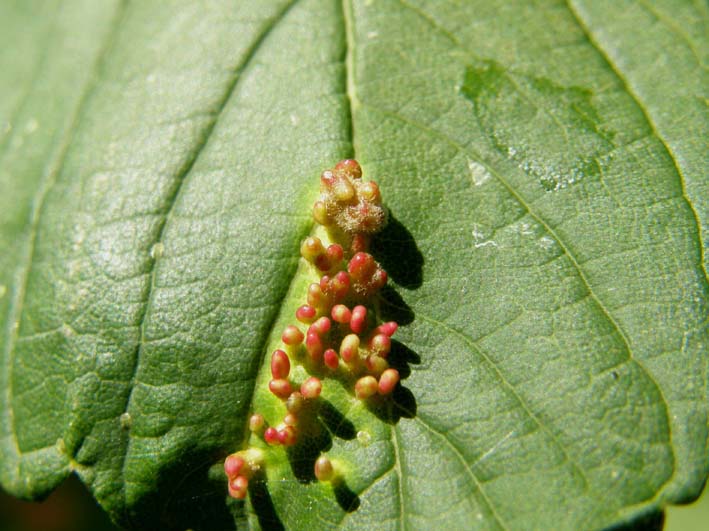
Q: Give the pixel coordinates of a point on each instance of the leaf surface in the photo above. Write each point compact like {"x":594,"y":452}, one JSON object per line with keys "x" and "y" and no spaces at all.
{"x":544,"y":166}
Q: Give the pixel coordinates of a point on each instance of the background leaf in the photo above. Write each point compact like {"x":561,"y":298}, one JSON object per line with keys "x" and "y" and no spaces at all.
{"x":545,"y":168}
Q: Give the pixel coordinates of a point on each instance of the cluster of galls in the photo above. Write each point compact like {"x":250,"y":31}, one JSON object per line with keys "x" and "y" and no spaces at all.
{"x":350,"y":208}
{"x":337,"y":334}
{"x":239,"y":468}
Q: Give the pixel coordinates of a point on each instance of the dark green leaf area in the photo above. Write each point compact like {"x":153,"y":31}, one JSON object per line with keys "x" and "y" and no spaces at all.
{"x":544,"y":166}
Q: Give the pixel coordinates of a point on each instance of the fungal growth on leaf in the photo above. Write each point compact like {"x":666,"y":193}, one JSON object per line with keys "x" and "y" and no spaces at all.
{"x":335,"y":333}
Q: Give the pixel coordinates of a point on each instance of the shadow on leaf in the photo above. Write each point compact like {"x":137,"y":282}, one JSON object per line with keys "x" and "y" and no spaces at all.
{"x":317,"y":428}
{"x":654,"y":521}
{"x":396,"y":250}
{"x":185,"y":496}
{"x":393,"y":308}
{"x":346,"y":498}
{"x":263,"y":504}
{"x":313,"y":439}
{"x":335,"y":421}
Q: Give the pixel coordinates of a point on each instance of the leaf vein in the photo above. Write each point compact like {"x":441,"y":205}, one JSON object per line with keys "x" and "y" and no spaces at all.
{"x":400,"y":477}
{"x":574,"y":262}
{"x":520,"y":400}
{"x":22,"y":274}
{"x":171,"y":199}
{"x":467,"y":468}
{"x":650,"y":122}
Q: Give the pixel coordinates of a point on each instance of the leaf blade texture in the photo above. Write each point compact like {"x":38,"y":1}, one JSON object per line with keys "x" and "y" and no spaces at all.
{"x":544,"y":166}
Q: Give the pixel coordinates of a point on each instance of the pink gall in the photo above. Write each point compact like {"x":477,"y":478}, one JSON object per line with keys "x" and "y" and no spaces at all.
{"x":306,"y":314}
{"x":370,"y":191}
{"x":366,"y":386}
{"x":332,"y":361}
{"x":287,"y":436}
{"x":380,"y":344}
{"x":271,"y":435}
{"x":340,"y":285}
{"x":358,"y":322}
{"x":233,"y":465}
{"x":327,"y":180}
{"x":367,"y":275}
{"x":314,"y":346}
{"x":387,"y":329}
{"x":361,"y":264}
{"x":238,"y":487}
{"x":343,"y":190}
{"x":321,"y":326}
{"x":316,"y":297}
{"x":292,"y":336}
{"x":311,"y":388}
{"x":280,"y":365}
{"x":280,"y":387}
{"x":335,"y":253}
{"x":329,"y":258}
{"x":349,"y":348}
{"x":341,"y":314}
{"x":388,"y":381}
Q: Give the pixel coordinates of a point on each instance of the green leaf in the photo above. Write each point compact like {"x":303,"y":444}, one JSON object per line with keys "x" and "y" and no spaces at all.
{"x":544,"y":164}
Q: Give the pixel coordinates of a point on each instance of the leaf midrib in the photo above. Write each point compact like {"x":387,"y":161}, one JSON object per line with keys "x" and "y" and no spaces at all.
{"x":355,"y":103}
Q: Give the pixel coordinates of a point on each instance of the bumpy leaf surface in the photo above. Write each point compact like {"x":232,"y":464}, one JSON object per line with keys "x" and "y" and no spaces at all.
{"x":545,"y":168}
